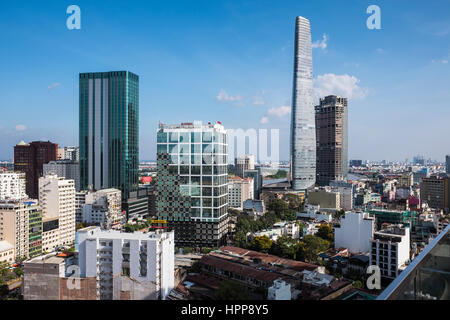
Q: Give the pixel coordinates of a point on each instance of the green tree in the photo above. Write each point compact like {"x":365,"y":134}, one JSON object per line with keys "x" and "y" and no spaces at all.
{"x":230,"y":290}
{"x":4,"y":290}
{"x":278,"y":206}
{"x":187,"y":250}
{"x":240,"y":238}
{"x":288,"y":215}
{"x":18,"y":272}
{"x":294,"y":200}
{"x":261,"y":244}
{"x":310,"y":247}
{"x":285,"y":247}
{"x":325,"y":232}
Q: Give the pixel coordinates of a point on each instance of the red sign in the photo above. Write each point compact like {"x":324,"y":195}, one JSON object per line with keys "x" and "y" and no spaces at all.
{"x":146,"y":180}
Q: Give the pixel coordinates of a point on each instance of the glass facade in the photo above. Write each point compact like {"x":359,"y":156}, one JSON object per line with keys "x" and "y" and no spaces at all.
{"x":109,"y":131}
{"x":192,"y":173}
{"x":303,"y":134}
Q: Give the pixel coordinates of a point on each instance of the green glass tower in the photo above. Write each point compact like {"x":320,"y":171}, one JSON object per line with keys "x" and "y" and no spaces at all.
{"x":109,"y":131}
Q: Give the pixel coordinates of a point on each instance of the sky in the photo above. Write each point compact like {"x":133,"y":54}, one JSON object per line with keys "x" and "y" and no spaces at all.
{"x":232,"y":61}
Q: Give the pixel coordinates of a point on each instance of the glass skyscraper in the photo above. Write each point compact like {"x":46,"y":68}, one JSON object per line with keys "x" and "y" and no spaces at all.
{"x":303,"y":132}
{"x":109,"y":131}
{"x":192,"y":182}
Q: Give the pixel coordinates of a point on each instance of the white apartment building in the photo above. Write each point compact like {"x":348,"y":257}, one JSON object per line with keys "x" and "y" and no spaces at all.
{"x":280,"y":290}
{"x":12,"y":186}
{"x":67,"y":169}
{"x":15,"y":227}
{"x":6,"y":252}
{"x":57,"y":199}
{"x":103,"y":207}
{"x":355,"y":232}
{"x":390,"y":250}
{"x":80,"y":200}
{"x":239,"y":190}
{"x":143,"y":261}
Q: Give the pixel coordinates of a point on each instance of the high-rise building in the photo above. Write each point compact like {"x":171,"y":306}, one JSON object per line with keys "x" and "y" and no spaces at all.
{"x":12,"y":186}
{"x":447,"y":164}
{"x":109,"y":131}
{"x":143,"y":262}
{"x":192,"y":184}
{"x":68,"y":169}
{"x":239,"y":190}
{"x":30,"y":158}
{"x":57,"y":199}
{"x":435,"y":191}
{"x":243,"y":163}
{"x":303,"y":132}
{"x":256,"y":175}
{"x":332,"y":140}
{"x":21,"y":226}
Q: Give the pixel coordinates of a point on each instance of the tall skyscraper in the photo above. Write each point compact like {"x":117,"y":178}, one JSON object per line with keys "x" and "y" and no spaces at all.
{"x":109,"y":131}
{"x":447,"y":164}
{"x":332,"y":140}
{"x":30,"y":158}
{"x":243,"y":163}
{"x":303,"y":132}
{"x":192,"y":184}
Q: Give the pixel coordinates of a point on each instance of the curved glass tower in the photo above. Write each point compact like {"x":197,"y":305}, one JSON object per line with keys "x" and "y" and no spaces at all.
{"x":303,"y":131}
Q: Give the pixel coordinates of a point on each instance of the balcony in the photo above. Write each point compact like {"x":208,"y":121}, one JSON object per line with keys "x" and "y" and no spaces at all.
{"x":427,"y":277}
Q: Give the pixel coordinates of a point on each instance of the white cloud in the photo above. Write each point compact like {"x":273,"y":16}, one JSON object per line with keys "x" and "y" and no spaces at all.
{"x":264,"y":120}
{"x":280,"y":111}
{"x":345,"y":86}
{"x":54,"y":85}
{"x":445,"y":61}
{"x":322,"y":44}
{"x":21,"y":127}
{"x":258,"y":100}
{"x":223,"y":96}
{"x":381,"y":50}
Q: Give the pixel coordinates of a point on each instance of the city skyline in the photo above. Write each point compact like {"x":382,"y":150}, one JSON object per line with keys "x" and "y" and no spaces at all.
{"x":242,"y":80}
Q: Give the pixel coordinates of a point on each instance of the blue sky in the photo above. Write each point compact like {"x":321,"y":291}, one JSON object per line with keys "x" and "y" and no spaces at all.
{"x":232,"y":61}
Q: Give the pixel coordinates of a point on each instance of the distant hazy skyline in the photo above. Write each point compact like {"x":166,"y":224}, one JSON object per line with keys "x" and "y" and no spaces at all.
{"x":232,"y":61}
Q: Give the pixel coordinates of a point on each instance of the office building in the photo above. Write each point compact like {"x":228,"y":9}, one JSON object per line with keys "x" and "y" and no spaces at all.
{"x":21,"y":226}
{"x":390,"y":250}
{"x":332,"y":140}
{"x":30,"y":158}
{"x":355,"y":232}
{"x":68,"y":169}
{"x":109,"y":131}
{"x":57,"y":199}
{"x":435,"y":192}
{"x":303,"y":132}
{"x":239,"y":190}
{"x":137,"y":205}
{"x":144,"y":262}
{"x":12,"y":186}
{"x":192,"y":185}
{"x":244,"y":163}
{"x":256,"y":175}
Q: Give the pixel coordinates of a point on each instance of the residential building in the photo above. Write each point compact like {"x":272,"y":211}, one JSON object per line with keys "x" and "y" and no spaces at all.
{"x":192,"y":185}
{"x":280,"y":290}
{"x":435,"y":191}
{"x":68,"y":169}
{"x":313,"y":212}
{"x":332,"y":140}
{"x":303,"y":132}
{"x":406,"y":180}
{"x":390,"y":250}
{"x":50,"y":234}
{"x":244,"y":163}
{"x":12,"y":186}
{"x":239,"y":190}
{"x":57,"y":199}
{"x":103,"y":208}
{"x":30,"y":158}
{"x":109,"y":131}
{"x":256,"y":175}
{"x":144,"y":261}
{"x":325,"y":198}
{"x":420,"y":174}
{"x":21,"y":226}
{"x":80,"y":200}
{"x":72,"y":153}
{"x":382,"y":216}
{"x":6,"y":252}
{"x":355,"y":232}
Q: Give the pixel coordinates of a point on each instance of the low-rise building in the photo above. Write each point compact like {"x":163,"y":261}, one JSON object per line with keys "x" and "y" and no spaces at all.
{"x":6,"y":252}
{"x":280,"y":290}
{"x":355,"y":232}
{"x":325,"y":198}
